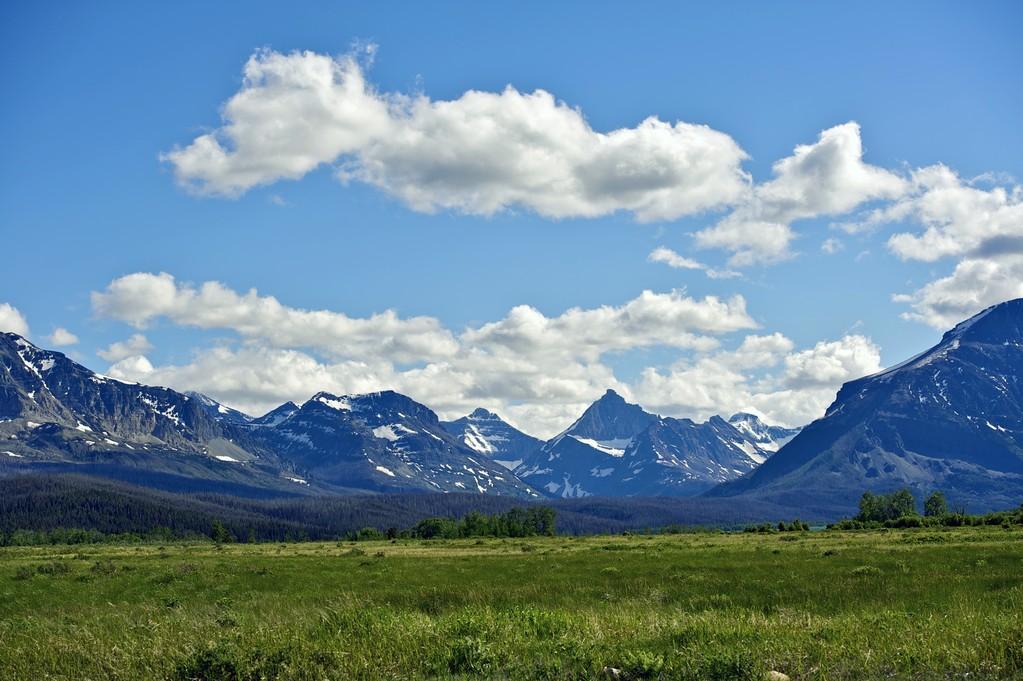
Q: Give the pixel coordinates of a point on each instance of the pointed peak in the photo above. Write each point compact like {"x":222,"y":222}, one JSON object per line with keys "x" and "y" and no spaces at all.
{"x":744,"y":416}
{"x":287,"y":406}
{"x":479,"y":413}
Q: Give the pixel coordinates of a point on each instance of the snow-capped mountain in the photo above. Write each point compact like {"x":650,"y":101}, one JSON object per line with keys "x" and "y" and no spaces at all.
{"x":487,"y":434}
{"x":950,"y":418}
{"x":618,"y":449}
{"x":56,"y":412}
{"x":275,"y":416}
{"x":768,"y":438}
{"x":382,"y":441}
{"x":217,"y":410}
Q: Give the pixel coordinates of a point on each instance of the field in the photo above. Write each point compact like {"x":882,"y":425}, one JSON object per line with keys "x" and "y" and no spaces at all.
{"x":821,"y":605}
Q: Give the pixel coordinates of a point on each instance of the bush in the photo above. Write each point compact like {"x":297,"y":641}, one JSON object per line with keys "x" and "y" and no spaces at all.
{"x":471,"y":655}
{"x":54,"y":568}
{"x":866,"y":571}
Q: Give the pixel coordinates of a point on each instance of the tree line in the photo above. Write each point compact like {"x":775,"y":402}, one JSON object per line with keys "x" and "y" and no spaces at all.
{"x":534,"y":521}
{"x":900,"y":509}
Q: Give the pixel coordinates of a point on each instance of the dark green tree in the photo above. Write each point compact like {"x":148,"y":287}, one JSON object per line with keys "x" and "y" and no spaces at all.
{"x":220,"y":534}
{"x":936,"y":505}
{"x":883,"y":507}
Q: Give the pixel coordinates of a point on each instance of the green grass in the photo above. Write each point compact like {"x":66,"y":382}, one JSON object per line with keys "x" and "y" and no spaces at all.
{"x":830,"y":605}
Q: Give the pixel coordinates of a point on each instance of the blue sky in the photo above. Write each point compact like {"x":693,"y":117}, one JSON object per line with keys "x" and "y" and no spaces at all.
{"x":97,"y":93}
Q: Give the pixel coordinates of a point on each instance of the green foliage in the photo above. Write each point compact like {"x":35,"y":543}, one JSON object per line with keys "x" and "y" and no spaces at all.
{"x":796,"y":525}
{"x":220,"y":534}
{"x":935,"y":504}
{"x":895,"y":511}
{"x":518,"y":522}
{"x":882,"y":507}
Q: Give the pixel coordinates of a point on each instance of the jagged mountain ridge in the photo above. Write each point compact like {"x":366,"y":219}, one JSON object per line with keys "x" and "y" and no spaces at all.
{"x":488,"y":434}
{"x":768,"y":438}
{"x":618,"y":449}
{"x":383,"y":441}
{"x":950,"y":418}
{"x":57,"y":412}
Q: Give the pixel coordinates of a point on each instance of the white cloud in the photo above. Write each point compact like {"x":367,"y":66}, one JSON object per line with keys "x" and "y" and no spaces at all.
{"x":137,"y":344}
{"x":667,"y":319}
{"x":976,"y":283}
{"x":528,"y":365}
{"x":142,"y":297}
{"x":797,"y":390}
{"x":750,"y":241}
{"x":828,"y":177}
{"x":832,"y":245}
{"x":672,"y":259}
{"x":61,"y":337}
{"x":12,"y":320}
{"x":983,"y":227}
{"x":480,"y":153}
{"x":541,"y":396}
{"x":136,"y":368}
{"x":958,"y":218}
{"x":828,"y":364}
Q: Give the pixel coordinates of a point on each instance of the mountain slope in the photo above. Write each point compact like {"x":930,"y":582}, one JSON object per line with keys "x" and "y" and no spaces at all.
{"x":56,"y":415}
{"x":381,"y":441}
{"x":489,"y":435}
{"x":950,"y":418}
{"x":617,"y":449}
{"x":56,"y":412}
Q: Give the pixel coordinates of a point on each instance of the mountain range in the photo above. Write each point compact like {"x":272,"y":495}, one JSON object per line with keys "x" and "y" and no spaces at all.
{"x":56,"y":414}
{"x":618,"y":449}
{"x":950,"y":418}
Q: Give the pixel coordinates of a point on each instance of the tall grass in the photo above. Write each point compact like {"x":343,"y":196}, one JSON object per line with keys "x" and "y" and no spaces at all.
{"x":918,"y":604}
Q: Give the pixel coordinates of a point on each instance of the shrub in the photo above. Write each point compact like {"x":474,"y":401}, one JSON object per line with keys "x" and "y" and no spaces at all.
{"x":865,"y":571}
{"x":54,"y":568}
{"x":471,"y":655}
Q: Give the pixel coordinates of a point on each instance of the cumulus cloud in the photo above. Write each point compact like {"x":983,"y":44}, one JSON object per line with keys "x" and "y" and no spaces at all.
{"x":958,"y":218}
{"x":828,"y":177}
{"x":528,"y":365}
{"x":672,"y":259}
{"x":832,"y":245}
{"x":671,"y":319}
{"x":480,"y":153}
{"x":137,"y":344}
{"x":976,"y":283}
{"x":828,"y":364}
{"x":979,"y":224}
{"x":540,"y":396}
{"x":12,"y":320}
{"x":61,"y":337}
{"x":797,"y":389}
{"x":142,"y":297}
{"x":136,"y":368}
{"x":667,"y":319}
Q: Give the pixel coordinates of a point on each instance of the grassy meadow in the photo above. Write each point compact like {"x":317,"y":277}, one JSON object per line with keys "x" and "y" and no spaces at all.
{"x":915,"y":604}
